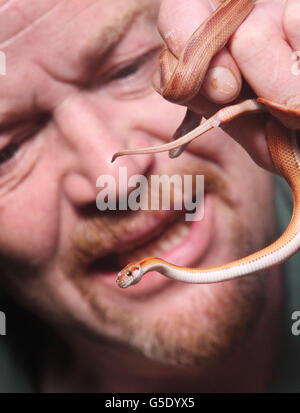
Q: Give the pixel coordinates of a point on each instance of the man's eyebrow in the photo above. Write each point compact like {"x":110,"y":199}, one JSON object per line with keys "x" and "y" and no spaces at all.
{"x":113,"y":32}
{"x":8,"y":118}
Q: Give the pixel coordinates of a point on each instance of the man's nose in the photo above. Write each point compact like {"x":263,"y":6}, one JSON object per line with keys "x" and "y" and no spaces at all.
{"x":91,"y":141}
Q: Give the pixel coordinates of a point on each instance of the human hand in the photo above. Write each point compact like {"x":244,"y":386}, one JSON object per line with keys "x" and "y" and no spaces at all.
{"x":260,"y":51}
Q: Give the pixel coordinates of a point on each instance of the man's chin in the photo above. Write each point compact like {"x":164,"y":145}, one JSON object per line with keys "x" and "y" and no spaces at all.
{"x":188,"y":324}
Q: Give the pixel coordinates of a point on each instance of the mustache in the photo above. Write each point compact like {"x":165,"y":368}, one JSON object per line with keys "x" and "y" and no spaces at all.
{"x":99,"y":233}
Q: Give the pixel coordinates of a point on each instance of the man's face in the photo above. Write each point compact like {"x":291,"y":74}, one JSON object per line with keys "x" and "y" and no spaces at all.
{"x":77,"y":90}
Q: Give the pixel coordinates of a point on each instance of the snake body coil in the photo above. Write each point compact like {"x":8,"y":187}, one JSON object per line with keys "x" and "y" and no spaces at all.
{"x":182,"y":85}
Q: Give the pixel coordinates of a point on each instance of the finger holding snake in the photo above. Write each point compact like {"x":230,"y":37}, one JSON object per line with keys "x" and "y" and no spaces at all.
{"x":176,"y":23}
{"x":183,"y":85}
{"x":263,"y":47}
{"x":263,"y":53}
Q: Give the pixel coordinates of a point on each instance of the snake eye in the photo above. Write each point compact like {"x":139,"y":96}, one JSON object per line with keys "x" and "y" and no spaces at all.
{"x":129,"y":273}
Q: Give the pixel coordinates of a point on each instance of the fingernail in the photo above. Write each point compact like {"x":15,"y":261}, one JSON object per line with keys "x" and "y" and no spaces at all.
{"x":220,"y":85}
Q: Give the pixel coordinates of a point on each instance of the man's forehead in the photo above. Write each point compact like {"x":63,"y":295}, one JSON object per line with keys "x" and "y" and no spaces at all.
{"x":19,"y":17}
{"x":61,"y":37}
{"x":116,"y":22}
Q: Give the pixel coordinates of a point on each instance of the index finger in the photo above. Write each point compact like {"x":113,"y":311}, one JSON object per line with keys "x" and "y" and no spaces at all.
{"x":177,"y":22}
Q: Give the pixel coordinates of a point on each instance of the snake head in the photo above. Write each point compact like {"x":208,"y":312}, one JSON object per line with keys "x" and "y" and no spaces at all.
{"x":131,"y":274}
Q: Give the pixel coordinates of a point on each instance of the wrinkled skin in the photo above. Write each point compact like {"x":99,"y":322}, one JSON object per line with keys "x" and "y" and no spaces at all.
{"x":72,"y":99}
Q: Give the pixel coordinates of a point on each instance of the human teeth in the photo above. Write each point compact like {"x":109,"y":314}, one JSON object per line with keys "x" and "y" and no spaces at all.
{"x":176,"y":239}
{"x":172,"y":237}
{"x":156,"y":251}
{"x":183,"y":230}
{"x":165,"y":245}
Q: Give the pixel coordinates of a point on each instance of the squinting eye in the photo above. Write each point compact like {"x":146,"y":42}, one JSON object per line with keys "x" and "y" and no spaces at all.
{"x":139,"y":65}
{"x":126,"y":71}
{"x":17,"y":139}
{"x":132,"y":79}
{"x":8,"y":152}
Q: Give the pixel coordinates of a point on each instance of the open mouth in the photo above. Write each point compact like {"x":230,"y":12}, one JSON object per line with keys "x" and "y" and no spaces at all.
{"x":156,"y":244}
{"x":166,"y":236}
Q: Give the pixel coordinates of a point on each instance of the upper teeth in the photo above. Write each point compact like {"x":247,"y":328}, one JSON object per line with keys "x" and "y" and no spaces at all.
{"x":169,"y":239}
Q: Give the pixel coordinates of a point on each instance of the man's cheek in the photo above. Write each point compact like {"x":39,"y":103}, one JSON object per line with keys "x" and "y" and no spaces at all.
{"x":28,"y":221}
{"x":159,"y":117}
